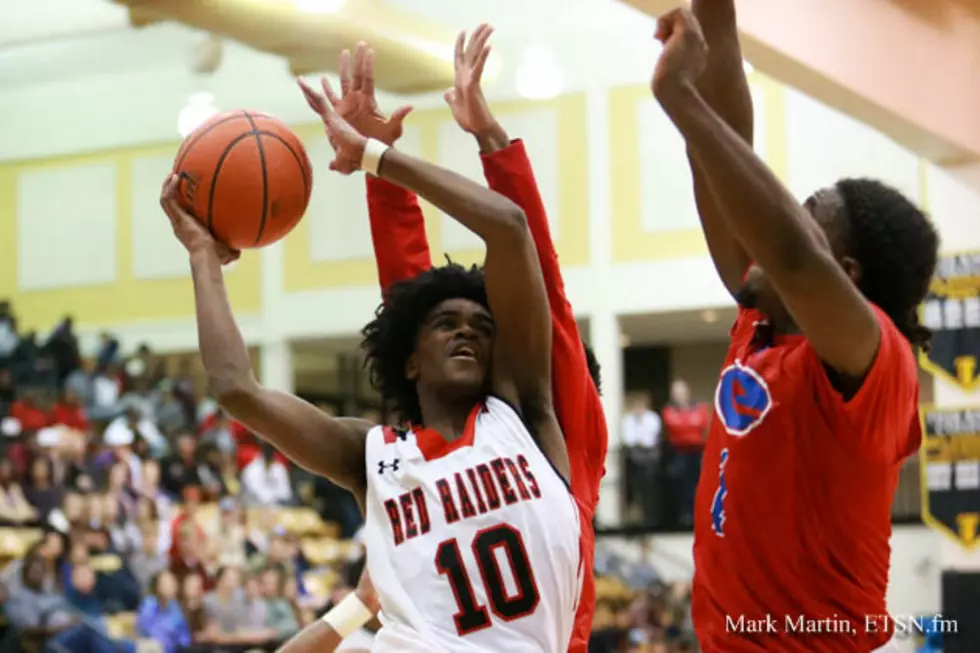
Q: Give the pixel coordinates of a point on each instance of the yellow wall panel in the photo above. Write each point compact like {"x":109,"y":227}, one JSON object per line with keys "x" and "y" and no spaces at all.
{"x":127,"y":299}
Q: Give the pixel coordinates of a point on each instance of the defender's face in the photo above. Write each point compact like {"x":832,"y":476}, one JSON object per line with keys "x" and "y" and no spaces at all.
{"x":826,"y":207}
{"x":454,"y":347}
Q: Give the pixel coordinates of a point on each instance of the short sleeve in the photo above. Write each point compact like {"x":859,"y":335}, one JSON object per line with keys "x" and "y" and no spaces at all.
{"x":882,"y":417}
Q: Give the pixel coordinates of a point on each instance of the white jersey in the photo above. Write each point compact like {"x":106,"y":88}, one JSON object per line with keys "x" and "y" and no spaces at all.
{"x":473,"y":545}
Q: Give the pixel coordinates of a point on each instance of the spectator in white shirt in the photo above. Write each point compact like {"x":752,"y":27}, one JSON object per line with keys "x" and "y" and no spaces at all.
{"x":123,"y":430}
{"x":640,"y":433}
{"x":265,"y":481}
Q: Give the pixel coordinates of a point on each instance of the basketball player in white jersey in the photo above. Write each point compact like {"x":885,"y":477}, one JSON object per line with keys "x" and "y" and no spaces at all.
{"x":472,"y":534}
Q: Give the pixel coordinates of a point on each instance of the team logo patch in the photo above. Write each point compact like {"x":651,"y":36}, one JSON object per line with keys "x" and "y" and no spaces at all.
{"x":742,"y":399}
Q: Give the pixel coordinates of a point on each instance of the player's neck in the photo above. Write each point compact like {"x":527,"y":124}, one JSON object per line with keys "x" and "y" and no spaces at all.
{"x":447,"y":418}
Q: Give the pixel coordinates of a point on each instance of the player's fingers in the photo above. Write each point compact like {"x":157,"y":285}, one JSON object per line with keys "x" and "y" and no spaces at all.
{"x":357,"y":77}
{"x":313,"y":99}
{"x":398,"y":115}
{"x":369,"y":72}
{"x":476,"y":43}
{"x":345,"y":72}
{"x":458,"y":53}
{"x":333,"y":99}
{"x":450,"y":96}
{"x":486,"y":31}
{"x":481,"y":63}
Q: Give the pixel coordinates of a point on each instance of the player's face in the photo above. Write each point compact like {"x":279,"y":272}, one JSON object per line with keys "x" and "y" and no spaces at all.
{"x":826,"y":206}
{"x":455,"y":347}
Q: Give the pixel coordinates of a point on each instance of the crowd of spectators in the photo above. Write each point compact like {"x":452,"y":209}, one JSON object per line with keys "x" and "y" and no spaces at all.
{"x":134,"y":514}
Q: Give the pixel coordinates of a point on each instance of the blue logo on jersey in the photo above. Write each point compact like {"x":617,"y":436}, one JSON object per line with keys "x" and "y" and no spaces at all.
{"x":742,"y":399}
{"x":718,"y":502}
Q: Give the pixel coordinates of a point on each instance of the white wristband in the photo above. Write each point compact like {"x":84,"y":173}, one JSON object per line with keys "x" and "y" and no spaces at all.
{"x":348,"y":615}
{"x":374,"y":151}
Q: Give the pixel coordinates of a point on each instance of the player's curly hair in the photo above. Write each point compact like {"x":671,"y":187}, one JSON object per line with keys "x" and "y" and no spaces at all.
{"x":391,"y":337}
{"x":896,"y":246}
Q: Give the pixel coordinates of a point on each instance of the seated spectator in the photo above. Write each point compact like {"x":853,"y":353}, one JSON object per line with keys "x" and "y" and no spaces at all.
{"x":106,"y":390}
{"x":119,"y":487}
{"x":150,"y":489}
{"x":29,"y":412}
{"x":255,"y":608}
{"x":231,"y":543}
{"x":192,"y":601}
{"x":161,"y":617}
{"x":124,"y":534}
{"x":225,"y":611}
{"x":210,"y":471}
{"x":187,"y":559}
{"x":265,"y":481}
{"x":280,"y":617}
{"x":80,"y":384}
{"x":83,"y":595}
{"x":148,"y":561}
{"x":168,"y":411}
{"x":179,"y":469}
{"x":41,"y":491}
{"x":14,"y":507}
{"x":68,"y":411}
{"x":124,"y":430}
{"x":33,"y":606}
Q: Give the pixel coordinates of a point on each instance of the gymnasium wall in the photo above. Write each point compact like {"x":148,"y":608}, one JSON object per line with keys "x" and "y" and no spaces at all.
{"x":611,"y":168}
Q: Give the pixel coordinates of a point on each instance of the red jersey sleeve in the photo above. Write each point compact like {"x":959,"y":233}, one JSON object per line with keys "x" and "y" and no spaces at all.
{"x":577,"y":404}
{"x":401,"y":249}
{"x":882,"y":418}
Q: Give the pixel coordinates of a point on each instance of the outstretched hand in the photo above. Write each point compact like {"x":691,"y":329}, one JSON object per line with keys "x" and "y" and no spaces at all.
{"x":465,"y":98}
{"x":347,"y":142}
{"x":358,"y":104}
{"x":193,"y":235}
{"x":685,"y":52}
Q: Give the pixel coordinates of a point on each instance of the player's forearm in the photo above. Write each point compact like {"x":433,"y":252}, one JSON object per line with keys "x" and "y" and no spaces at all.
{"x":223,"y":349}
{"x":508,"y":171}
{"x":401,"y":249}
{"x":492,"y":139}
{"x":765,"y":218}
{"x":489,"y":215}
{"x":318,"y":637}
{"x":725,"y":88}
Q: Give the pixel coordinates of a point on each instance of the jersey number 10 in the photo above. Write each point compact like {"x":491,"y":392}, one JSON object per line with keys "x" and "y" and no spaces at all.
{"x":472,"y":616}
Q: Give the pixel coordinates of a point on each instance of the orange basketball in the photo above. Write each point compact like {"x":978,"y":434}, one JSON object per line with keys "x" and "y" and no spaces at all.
{"x":246,"y":176}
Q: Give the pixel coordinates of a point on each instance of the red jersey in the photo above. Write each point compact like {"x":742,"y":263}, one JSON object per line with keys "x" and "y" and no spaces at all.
{"x":793,"y":510}
{"x":686,"y":426}
{"x":398,"y":232}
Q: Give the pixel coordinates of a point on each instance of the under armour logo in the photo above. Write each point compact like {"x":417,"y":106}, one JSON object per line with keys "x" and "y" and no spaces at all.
{"x":403,"y":436}
{"x":382,"y":466}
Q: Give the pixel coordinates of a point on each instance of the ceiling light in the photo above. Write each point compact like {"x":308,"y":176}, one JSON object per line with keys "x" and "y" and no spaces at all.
{"x":200,"y":107}
{"x":624,"y":340}
{"x":319,"y":6}
{"x":539,"y":77}
{"x":710,"y":316}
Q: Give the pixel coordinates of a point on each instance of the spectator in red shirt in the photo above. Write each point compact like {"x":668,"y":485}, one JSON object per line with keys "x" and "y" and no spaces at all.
{"x":69,"y":412}
{"x":686,"y":424}
{"x":32,"y":417}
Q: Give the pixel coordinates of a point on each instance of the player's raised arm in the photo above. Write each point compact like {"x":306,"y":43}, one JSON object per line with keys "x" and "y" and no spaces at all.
{"x":724,"y":87}
{"x":778,"y":233}
{"x":309,"y":437}
{"x":401,"y":249}
{"x":508,"y":171}
{"x":515,"y":288}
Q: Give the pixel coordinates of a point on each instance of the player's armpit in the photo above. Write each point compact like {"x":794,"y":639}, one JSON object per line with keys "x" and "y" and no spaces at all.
{"x":879,"y":416}
{"x":325,"y":445}
{"x":401,"y":248}
{"x":780,"y":235}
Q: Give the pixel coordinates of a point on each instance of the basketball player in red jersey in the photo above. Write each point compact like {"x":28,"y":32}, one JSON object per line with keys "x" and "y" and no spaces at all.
{"x":402,"y":251}
{"x":816,"y":406}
